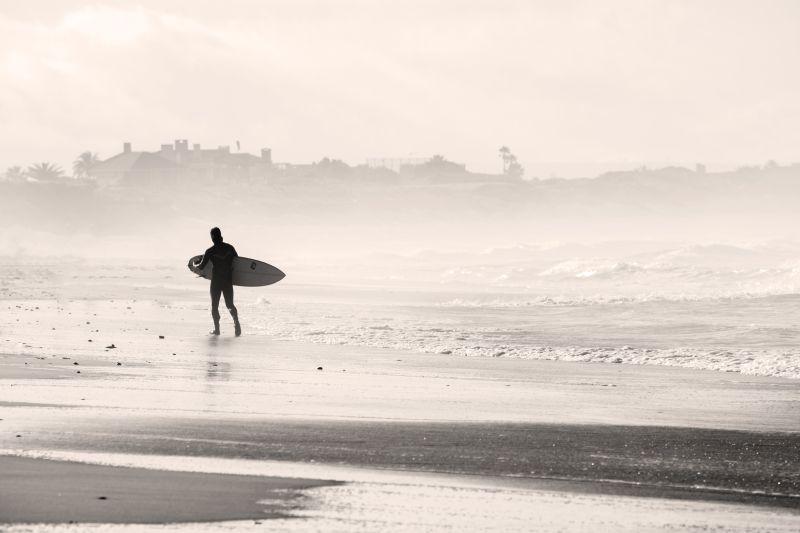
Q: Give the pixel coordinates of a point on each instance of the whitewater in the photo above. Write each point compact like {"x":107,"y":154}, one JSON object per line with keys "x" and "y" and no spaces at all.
{"x":730,"y":308}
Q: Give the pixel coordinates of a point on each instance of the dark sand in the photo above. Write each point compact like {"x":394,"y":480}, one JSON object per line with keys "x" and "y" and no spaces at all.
{"x":675,"y":462}
{"x":42,"y":491}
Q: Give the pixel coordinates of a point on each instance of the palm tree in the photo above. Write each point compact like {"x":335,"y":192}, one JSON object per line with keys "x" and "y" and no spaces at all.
{"x":15,"y":174}
{"x":83,"y":165}
{"x":45,"y":172}
{"x":511,"y":166}
{"x":514,"y":170}
{"x":505,"y":152}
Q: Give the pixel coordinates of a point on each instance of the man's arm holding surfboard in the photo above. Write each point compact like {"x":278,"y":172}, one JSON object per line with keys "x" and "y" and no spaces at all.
{"x":203,"y":262}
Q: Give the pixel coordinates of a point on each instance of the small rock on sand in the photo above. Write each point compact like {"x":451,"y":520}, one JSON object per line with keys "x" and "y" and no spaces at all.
{"x":111,"y":346}
{"x":161,"y":336}
{"x":319,"y":368}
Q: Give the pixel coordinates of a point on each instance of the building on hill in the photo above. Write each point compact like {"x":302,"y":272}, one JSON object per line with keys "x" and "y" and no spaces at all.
{"x":395,"y":163}
{"x":436,"y":165}
{"x":177,"y":163}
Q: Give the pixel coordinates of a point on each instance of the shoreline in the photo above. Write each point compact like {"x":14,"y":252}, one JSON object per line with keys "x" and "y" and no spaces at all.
{"x":651,"y":461}
{"x":117,"y":489}
{"x":291,"y":314}
{"x":216,"y":377}
{"x":602,"y":435}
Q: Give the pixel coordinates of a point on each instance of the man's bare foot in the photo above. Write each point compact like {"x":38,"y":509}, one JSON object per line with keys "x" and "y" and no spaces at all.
{"x":237,"y":329}
{"x":215,"y":332}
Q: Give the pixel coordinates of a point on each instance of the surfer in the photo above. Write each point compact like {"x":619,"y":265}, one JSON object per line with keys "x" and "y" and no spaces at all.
{"x":221,"y":255}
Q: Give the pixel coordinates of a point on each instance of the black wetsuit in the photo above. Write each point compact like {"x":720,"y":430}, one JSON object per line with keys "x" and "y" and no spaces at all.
{"x":221,"y":256}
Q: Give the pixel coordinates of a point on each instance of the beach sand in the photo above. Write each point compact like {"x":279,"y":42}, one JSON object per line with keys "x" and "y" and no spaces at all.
{"x":642,"y":447}
{"x":41,"y":491}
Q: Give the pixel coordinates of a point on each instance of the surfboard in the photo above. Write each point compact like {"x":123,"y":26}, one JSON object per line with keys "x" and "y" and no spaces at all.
{"x":246,"y":272}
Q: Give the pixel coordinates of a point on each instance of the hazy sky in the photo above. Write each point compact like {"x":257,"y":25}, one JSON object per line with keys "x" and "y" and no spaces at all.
{"x":571,"y":86}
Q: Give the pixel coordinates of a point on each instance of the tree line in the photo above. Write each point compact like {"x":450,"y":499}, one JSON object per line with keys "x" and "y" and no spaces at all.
{"x":46,"y":171}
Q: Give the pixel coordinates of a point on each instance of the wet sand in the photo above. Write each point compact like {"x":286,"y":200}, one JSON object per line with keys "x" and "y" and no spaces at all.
{"x":572,"y":428}
{"x":666,"y":462}
{"x":189,"y":373}
{"x":42,"y":491}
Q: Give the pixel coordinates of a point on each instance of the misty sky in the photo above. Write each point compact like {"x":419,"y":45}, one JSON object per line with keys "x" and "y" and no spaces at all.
{"x":573,"y":87}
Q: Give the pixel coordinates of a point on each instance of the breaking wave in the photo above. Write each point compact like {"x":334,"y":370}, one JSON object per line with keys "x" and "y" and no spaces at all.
{"x":657,"y":334}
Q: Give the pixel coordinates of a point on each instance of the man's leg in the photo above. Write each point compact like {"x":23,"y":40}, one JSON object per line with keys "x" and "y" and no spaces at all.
{"x":215,"y":294}
{"x":227,"y":292}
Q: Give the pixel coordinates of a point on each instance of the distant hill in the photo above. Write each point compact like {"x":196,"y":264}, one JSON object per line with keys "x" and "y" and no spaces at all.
{"x":428,"y":205}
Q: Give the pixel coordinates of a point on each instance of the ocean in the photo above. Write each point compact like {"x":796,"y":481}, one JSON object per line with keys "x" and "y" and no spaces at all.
{"x":725,"y":307}
{"x":732,"y":308}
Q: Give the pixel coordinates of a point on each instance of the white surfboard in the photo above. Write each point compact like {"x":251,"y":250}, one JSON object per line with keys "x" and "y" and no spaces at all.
{"x":246,"y":272}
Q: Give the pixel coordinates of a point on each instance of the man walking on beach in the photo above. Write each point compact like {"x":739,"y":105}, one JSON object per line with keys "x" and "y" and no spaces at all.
{"x":221,"y":255}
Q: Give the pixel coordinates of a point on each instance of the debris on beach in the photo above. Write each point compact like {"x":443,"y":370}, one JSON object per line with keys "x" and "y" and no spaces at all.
{"x":319,"y":368}
{"x":111,"y":346}
{"x":161,"y":336}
